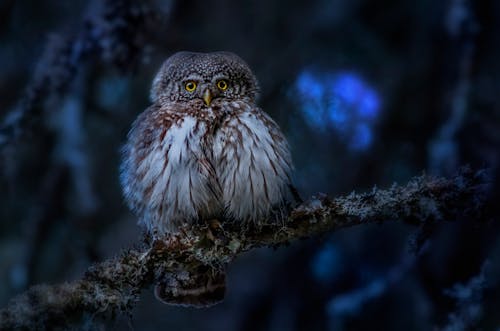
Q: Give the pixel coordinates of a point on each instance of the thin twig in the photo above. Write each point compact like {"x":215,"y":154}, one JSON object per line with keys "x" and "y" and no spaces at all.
{"x":116,"y":36}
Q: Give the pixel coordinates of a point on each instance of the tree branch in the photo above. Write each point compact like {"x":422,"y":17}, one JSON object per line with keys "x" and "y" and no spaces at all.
{"x":114,"y":286}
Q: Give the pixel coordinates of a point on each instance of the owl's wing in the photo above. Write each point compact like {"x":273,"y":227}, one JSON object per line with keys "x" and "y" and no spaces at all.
{"x":166,"y":175}
{"x":283,"y":150}
{"x":140,"y":140}
{"x":254,"y":163}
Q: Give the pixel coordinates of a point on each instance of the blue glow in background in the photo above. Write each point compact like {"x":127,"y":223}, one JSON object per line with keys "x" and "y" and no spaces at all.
{"x":340,"y":103}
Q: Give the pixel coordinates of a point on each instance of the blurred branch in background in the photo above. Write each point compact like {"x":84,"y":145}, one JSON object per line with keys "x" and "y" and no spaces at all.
{"x":462,"y":28}
{"x":469,"y":301}
{"x":351,"y":303}
{"x":114,"y":286}
{"x":115,"y":36}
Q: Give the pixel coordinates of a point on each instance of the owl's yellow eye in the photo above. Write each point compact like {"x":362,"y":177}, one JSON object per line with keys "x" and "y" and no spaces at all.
{"x":190,"y":86}
{"x":222,"y":85}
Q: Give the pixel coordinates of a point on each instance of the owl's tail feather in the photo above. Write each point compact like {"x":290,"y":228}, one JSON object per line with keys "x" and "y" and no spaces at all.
{"x":199,"y":290}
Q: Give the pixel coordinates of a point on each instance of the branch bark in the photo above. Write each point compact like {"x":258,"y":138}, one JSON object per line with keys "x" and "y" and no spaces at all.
{"x":114,"y":286}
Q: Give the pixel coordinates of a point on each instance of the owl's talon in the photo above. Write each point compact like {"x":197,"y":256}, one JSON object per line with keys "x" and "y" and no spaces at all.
{"x":213,"y":229}
{"x":210,"y":235}
{"x":215,"y":224}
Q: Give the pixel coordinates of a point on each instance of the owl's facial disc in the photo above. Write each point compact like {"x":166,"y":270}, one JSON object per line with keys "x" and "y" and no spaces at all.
{"x":225,"y":75}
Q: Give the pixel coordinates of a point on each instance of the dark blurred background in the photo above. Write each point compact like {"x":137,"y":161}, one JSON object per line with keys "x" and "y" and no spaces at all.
{"x":367,"y":92}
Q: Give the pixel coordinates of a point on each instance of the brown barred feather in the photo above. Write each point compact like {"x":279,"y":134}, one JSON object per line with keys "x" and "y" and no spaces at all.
{"x":187,"y":161}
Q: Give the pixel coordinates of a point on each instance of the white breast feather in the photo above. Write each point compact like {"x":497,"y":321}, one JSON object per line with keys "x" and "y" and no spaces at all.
{"x":178,"y":189}
{"x":255,"y":177}
{"x":171,"y":185}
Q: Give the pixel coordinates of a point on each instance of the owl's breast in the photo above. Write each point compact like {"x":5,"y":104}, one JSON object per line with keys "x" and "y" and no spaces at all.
{"x":172,"y":178}
{"x":253,"y":163}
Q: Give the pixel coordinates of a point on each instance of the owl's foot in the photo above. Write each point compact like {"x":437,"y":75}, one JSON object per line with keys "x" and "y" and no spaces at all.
{"x":214,"y":229}
{"x":215,"y":224}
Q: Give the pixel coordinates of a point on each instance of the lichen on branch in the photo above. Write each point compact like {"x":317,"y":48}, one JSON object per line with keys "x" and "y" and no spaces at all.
{"x":114,"y":286}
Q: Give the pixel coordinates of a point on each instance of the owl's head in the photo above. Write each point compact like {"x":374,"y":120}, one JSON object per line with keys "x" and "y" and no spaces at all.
{"x":209,"y":77}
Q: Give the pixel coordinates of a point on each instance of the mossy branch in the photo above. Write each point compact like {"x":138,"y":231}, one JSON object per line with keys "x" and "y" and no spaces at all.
{"x":114,"y":286}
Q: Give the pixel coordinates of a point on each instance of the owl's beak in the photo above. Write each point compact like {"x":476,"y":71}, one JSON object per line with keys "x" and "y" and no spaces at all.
{"x":207,"y":97}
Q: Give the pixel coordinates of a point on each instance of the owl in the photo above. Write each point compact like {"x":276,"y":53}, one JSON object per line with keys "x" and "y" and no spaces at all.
{"x":204,"y":150}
